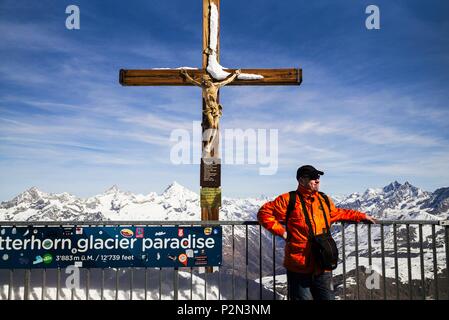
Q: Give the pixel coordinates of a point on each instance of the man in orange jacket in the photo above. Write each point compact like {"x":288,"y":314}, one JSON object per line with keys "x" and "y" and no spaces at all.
{"x":307,"y":279}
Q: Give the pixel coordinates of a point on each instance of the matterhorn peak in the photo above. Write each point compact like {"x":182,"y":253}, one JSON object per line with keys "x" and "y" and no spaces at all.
{"x":174,"y":186}
{"x":113,"y":189}
{"x":177,"y":189}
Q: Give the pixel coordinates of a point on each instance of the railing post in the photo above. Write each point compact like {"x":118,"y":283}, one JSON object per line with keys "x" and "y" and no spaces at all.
{"x":260,"y":262}
{"x":131,"y":283}
{"x":102,"y":284}
{"x":160,"y":283}
{"x":87,"y":283}
{"x":219,"y":283}
{"x":205,"y":284}
{"x":191,"y":280}
{"x":382,"y":248}
{"x":233,"y":263}
{"x":246,"y":260}
{"x":191,"y":283}
{"x":160,"y":278}
{"x":409,"y":264}
{"x":445,"y":225}
{"x":44,"y":283}
{"x":116,"y":283}
{"x":72,"y":294}
{"x":146,"y":283}
{"x":175,"y":284}
{"x":396,"y":267}
{"x":88,"y":279}
{"x":435,"y":264}
{"x":11,"y":283}
{"x":421,"y":262}
{"x":447,"y":258}
{"x":26,"y":288}
{"x":370,"y":260}
{"x":58,"y":283}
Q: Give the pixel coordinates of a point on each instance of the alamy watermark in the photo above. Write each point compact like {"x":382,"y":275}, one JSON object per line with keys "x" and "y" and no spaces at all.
{"x":235,"y":147}
{"x":73,"y":279}
{"x":372,"y":280}
{"x":373,"y":20}
{"x":73,"y":20}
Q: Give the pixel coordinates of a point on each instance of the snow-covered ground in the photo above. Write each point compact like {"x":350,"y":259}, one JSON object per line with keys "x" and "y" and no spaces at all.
{"x":193,"y":288}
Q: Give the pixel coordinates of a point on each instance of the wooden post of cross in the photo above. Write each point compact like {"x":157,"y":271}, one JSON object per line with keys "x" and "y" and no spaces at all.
{"x":210,"y":171}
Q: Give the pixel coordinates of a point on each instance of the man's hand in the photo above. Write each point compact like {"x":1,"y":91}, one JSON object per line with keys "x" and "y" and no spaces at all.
{"x":370,"y":220}
{"x":238,"y":71}
{"x":284,"y":235}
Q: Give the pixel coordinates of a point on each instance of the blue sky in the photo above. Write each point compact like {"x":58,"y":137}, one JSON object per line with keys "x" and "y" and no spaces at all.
{"x":372,"y":108}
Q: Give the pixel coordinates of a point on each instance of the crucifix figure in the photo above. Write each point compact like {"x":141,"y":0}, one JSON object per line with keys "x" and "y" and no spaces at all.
{"x":213,"y":76}
{"x":212,"y":109}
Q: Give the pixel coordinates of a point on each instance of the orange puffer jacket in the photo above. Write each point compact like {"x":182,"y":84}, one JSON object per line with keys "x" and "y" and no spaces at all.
{"x":298,"y":257}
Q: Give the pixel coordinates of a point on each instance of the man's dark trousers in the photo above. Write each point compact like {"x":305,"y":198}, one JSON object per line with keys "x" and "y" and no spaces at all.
{"x":304,"y":286}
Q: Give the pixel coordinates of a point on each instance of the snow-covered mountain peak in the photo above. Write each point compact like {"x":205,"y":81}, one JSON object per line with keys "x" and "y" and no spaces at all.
{"x":177,"y":190}
{"x":438,"y":202}
{"x":31,"y":195}
{"x":391,"y":187}
{"x":33,"y":189}
{"x":112,"y":190}
{"x":33,"y":192}
{"x":369,"y":193}
{"x":63,"y":197}
{"x":391,"y":201}
{"x":404,"y":191}
{"x":394,"y":190}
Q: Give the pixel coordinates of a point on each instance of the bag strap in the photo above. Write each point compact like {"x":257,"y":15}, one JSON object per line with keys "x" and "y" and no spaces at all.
{"x":290,"y":208}
{"x":326,"y":199}
{"x":324,"y":214}
{"x":306,"y":216}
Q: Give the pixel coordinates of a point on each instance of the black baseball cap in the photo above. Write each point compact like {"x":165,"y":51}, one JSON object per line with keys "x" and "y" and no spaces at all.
{"x":308,"y":171}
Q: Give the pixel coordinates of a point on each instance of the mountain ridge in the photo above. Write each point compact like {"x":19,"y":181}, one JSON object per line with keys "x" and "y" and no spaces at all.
{"x":114,"y":204}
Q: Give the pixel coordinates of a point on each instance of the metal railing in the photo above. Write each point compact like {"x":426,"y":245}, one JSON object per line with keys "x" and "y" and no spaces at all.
{"x":433,"y":284}
{"x":252,"y":266}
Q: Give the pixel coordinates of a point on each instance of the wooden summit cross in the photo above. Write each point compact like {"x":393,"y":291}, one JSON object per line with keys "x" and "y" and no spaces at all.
{"x":211,"y":77}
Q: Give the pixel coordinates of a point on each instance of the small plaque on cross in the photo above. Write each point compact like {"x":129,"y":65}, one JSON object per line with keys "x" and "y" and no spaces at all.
{"x":210,"y":174}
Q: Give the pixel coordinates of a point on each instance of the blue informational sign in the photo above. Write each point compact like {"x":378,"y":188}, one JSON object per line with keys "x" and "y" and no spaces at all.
{"x":103,"y":247}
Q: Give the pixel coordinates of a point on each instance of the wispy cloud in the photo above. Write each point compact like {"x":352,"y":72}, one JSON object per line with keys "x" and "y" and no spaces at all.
{"x":33,"y":37}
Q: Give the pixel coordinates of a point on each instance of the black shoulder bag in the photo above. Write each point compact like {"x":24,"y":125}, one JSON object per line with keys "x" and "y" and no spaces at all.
{"x":324,"y":247}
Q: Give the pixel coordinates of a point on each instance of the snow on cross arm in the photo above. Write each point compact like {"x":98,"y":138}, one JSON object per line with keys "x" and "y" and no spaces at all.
{"x":213,"y":67}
